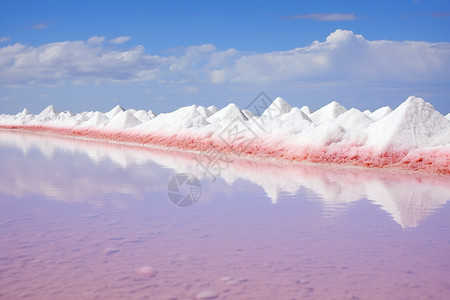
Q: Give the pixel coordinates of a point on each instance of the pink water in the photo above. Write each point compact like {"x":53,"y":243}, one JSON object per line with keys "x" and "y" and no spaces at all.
{"x":86,"y":220}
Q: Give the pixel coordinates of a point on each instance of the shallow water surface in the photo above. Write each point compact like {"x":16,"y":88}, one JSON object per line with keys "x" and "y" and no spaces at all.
{"x":90,"y":220}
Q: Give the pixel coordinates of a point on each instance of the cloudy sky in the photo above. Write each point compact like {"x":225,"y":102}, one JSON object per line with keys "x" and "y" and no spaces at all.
{"x":160,"y":55}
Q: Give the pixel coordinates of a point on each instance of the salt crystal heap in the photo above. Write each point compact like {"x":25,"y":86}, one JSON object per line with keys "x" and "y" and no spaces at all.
{"x":414,"y":136}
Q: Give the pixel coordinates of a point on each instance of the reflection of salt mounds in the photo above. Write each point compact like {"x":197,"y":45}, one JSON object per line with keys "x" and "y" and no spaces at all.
{"x":407,"y":197}
{"x":414,"y":136}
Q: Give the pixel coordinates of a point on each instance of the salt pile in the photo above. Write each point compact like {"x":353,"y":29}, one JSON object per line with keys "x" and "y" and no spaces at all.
{"x":414,"y":136}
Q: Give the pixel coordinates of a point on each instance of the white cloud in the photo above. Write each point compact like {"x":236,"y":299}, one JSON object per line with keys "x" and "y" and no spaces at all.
{"x":96,"y":40}
{"x":324,"y":17}
{"x":78,"y":62}
{"x":344,"y":58}
{"x":119,"y":40}
{"x":39,"y":26}
{"x":5,"y":39}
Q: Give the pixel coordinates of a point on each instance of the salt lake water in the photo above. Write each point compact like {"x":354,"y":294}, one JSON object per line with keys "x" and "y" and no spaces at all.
{"x":90,"y":220}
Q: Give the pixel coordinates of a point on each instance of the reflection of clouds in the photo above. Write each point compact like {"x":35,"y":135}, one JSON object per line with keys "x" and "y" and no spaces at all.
{"x":407,"y":197}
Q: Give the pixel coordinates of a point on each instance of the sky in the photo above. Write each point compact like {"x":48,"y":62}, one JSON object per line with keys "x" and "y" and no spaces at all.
{"x":161,"y":55}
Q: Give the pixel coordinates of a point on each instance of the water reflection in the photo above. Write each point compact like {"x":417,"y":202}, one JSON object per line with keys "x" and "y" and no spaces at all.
{"x":408,"y":197}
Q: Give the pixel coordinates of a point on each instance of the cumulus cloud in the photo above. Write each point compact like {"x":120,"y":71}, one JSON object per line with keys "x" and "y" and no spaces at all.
{"x":342,"y":57}
{"x":324,"y":17}
{"x":78,"y":62}
{"x":119,"y":40}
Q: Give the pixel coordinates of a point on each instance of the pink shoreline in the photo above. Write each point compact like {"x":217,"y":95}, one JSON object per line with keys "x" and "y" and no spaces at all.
{"x":428,"y":160}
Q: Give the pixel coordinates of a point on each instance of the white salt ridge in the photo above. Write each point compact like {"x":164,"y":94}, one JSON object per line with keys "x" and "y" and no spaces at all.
{"x":414,"y":124}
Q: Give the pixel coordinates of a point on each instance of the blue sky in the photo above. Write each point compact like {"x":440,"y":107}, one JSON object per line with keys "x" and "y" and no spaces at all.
{"x":160,"y":55}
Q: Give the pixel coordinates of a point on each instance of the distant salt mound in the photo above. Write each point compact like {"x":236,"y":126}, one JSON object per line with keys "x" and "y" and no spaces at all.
{"x":306,"y":110}
{"x":123,"y":120}
{"x":47,"y":114}
{"x":204,"y":112}
{"x":213,"y":109}
{"x":249,"y":114}
{"x":151,"y":114}
{"x":182,"y":118}
{"x":328,"y":113}
{"x":278,"y":108}
{"x":294,"y":121}
{"x":353,"y":119}
{"x":98,"y":120}
{"x":118,"y":109}
{"x":23,"y":113}
{"x":414,"y":124}
{"x":447,"y":117}
{"x":227,"y":114}
{"x":380,"y":113}
{"x":143,"y":116}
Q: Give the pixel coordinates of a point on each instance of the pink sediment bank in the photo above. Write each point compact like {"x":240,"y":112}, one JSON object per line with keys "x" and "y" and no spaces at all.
{"x":423,"y":159}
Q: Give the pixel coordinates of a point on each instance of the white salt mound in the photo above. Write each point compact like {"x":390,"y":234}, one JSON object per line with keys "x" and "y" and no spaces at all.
{"x":249,"y":114}
{"x":182,"y":118}
{"x":98,"y":120}
{"x":228,"y":113}
{"x":328,"y":113}
{"x":118,"y":109}
{"x":306,"y":110}
{"x":213,"y":109}
{"x":353,"y":119}
{"x":151,"y":114}
{"x":204,"y":112}
{"x":123,"y":120}
{"x":142,"y":116}
{"x":49,"y":113}
{"x":415,"y":123}
{"x":278,"y":107}
{"x":380,"y":113}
